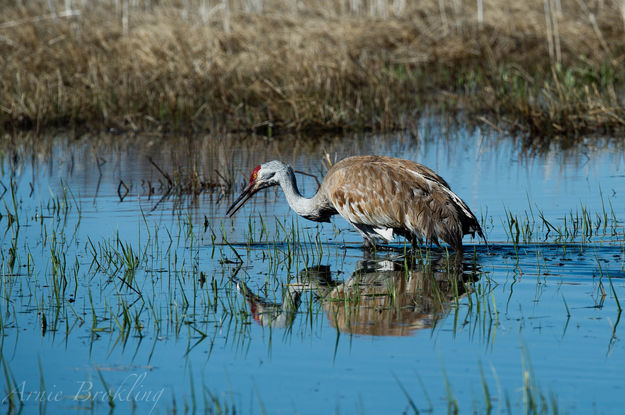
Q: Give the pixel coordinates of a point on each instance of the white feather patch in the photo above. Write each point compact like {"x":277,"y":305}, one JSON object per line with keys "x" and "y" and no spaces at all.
{"x":386,"y":233}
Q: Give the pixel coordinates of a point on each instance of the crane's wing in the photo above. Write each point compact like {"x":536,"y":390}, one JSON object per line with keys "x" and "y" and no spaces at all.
{"x":387,"y":193}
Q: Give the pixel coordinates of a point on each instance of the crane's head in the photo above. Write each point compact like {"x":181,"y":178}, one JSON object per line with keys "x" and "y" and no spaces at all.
{"x":263,"y":176}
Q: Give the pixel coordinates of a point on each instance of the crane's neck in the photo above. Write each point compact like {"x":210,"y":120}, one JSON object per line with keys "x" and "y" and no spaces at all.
{"x":307,"y":208}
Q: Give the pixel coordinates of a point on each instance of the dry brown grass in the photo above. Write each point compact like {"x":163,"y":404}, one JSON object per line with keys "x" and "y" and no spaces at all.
{"x":311,"y":65}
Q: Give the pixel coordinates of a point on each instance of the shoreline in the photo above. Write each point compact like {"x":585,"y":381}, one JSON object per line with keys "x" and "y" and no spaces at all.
{"x":312,"y":69}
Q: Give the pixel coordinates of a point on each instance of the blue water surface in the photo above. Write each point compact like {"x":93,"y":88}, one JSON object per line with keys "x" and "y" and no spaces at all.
{"x":183,"y":328}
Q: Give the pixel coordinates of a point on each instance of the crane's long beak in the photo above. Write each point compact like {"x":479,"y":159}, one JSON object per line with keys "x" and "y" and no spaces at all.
{"x":248,"y":192}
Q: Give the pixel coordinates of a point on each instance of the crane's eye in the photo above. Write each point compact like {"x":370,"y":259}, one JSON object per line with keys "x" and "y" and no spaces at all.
{"x":254,"y":175}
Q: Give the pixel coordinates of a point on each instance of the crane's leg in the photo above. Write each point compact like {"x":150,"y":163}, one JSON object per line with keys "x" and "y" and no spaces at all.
{"x":369,"y":236}
{"x":415,"y":241}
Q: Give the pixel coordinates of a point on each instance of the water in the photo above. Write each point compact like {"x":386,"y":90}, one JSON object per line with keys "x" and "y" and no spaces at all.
{"x":152,"y":304}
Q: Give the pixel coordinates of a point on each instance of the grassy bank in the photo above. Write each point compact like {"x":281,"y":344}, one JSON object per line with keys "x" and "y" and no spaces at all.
{"x":545,"y":67}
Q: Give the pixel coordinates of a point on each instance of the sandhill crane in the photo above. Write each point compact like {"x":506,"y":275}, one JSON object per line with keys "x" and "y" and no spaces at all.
{"x":380,"y":196}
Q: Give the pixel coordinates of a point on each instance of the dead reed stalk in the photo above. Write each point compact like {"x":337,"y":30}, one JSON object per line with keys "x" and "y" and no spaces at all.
{"x":268,"y":66}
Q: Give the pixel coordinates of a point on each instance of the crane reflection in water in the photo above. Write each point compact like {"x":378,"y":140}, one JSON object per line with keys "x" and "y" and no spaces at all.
{"x":382,"y":297}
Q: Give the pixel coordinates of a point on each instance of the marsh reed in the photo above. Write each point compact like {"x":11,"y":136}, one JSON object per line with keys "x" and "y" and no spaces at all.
{"x":544,"y":67}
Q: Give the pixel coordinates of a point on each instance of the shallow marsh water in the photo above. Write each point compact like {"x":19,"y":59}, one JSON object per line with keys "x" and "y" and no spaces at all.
{"x":151,"y":303}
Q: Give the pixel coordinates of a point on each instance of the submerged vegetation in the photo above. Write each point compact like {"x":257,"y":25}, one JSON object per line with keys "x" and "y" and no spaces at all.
{"x":157,"y":283}
{"x":544,"y":67}
{"x":159,"y":286}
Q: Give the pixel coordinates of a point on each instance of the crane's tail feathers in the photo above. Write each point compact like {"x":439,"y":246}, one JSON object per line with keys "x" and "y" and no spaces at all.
{"x":480,"y":233}
{"x":485,"y":241}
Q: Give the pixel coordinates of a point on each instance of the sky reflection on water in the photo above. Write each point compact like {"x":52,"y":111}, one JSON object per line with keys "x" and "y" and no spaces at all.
{"x":546,"y":309}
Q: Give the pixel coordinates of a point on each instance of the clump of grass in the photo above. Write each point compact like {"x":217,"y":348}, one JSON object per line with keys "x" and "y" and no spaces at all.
{"x":579,"y":225}
{"x":562,"y":100}
{"x":543,"y":67}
